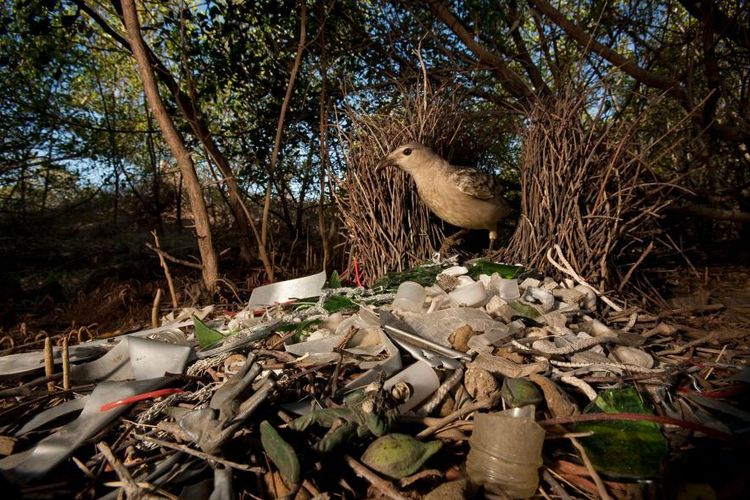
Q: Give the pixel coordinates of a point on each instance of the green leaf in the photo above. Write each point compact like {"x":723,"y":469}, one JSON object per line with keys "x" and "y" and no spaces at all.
{"x":281,"y":454}
{"x":206,"y":336}
{"x":624,"y":449}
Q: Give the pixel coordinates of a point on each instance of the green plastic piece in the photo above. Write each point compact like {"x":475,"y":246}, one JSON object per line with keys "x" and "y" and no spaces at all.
{"x":424,"y":275}
{"x":335,"y":280}
{"x":339,"y":303}
{"x":206,"y":336}
{"x":281,"y":454}
{"x":399,"y":455}
{"x":518,"y":392}
{"x":624,"y":449}
{"x":524,"y":310}
{"x":487,"y":267}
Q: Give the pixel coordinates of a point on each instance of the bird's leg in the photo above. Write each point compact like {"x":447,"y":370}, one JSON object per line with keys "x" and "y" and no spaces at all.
{"x":451,"y":241}
{"x":493,"y":238}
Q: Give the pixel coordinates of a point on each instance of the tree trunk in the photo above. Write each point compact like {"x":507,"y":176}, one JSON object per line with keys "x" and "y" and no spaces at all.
{"x":209,"y":266}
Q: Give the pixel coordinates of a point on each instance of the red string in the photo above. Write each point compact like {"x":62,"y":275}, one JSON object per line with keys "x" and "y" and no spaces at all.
{"x":356,"y":273}
{"x":139,"y":397}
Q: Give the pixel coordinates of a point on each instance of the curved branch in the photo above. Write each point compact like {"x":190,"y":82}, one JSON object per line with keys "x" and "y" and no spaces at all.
{"x":508,"y":78}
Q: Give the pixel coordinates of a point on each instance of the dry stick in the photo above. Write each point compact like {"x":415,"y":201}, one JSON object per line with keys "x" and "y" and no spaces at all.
{"x":167,"y":274}
{"x":49,"y":363}
{"x":132,"y":490}
{"x":155,"y":309}
{"x":66,"y":365}
{"x":199,"y":454}
{"x":479,"y":405}
{"x":592,"y":472}
{"x":385,"y":487}
{"x":635,"y":265}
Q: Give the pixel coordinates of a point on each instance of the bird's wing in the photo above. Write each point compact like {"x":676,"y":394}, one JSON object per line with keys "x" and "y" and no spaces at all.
{"x":475,"y":183}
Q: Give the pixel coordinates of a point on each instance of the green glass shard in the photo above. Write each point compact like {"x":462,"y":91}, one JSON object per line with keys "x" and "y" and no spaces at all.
{"x":487,"y":267}
{"x":206,"y":336}
{"x":624,"y":449}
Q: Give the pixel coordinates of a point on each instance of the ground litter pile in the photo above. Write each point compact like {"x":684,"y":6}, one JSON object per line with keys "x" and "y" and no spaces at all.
{"x":444,"y":381}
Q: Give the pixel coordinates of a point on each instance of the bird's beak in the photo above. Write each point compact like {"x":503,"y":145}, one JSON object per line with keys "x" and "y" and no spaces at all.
{"x":385,"y":162}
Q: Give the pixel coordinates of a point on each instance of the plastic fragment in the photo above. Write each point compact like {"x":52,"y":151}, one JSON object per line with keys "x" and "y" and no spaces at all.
{"x":399,"y":455}
{"x":281,"y":454}
{"x":139,"y":397}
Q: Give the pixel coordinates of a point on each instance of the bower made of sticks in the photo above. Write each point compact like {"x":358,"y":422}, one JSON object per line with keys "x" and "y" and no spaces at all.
{"x":587,"y":186}
{"x":388,"y":228}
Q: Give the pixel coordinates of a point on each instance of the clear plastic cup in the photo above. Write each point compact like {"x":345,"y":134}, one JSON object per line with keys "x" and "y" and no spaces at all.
{"x":506,"y":452}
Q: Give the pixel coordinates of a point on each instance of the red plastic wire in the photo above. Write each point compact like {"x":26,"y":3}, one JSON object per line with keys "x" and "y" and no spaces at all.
{"x":356,"y":273}
{"x":139,"y":397}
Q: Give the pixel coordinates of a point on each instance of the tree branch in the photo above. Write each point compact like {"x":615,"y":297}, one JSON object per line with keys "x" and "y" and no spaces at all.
{"x":509,"y":79}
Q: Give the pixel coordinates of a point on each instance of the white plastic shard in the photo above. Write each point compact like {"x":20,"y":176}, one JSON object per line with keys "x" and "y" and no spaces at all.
{"x":439,"y":325}
{"x":17,"y":365}
{"x":134,"y":358}
{"x":50,"y":451}
{"x":47,"y":416}
{"x":283,"y":291}
{"x":422,"y":379}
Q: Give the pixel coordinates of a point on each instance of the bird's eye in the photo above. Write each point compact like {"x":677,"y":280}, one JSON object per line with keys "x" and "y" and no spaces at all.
{"x":407,"y":151}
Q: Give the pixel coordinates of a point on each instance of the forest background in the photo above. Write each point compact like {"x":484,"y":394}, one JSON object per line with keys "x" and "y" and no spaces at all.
{"x":235,"y":164}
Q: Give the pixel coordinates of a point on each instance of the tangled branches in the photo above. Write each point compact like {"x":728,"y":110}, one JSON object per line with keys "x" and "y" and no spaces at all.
{"x":387,"y":225}
{"x":589,"y":187}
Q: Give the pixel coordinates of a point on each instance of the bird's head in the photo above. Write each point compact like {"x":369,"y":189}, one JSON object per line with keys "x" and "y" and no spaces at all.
{"x":408,"y":157}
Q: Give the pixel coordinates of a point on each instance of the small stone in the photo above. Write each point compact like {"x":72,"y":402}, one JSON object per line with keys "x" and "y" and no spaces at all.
{"x":447,"y":282}
{"x":452,"y":490}
{"x":480,"y":383}
{"x":631,"y":356}
{"x":460,"y":338}
{"x":494,"y":304}
{"x":569,"y":296}
{"x":529,"y":282}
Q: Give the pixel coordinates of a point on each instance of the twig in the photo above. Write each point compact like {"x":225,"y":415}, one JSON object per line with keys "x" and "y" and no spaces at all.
{"x":592,"y":472}
{"x":199,"y":454}
{"x":65,"y":365}
{"x":155,"y":309}
{"x":162,"y":261}
{"x":132,"y":490}
{"x":385,"y":487}
{"x":479,"y":405}
{"x":49,"y":363}
{"x":637,"y":263}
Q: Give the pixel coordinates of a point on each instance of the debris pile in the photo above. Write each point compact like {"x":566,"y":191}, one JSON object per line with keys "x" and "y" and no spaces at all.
{"x":445,"y":381}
